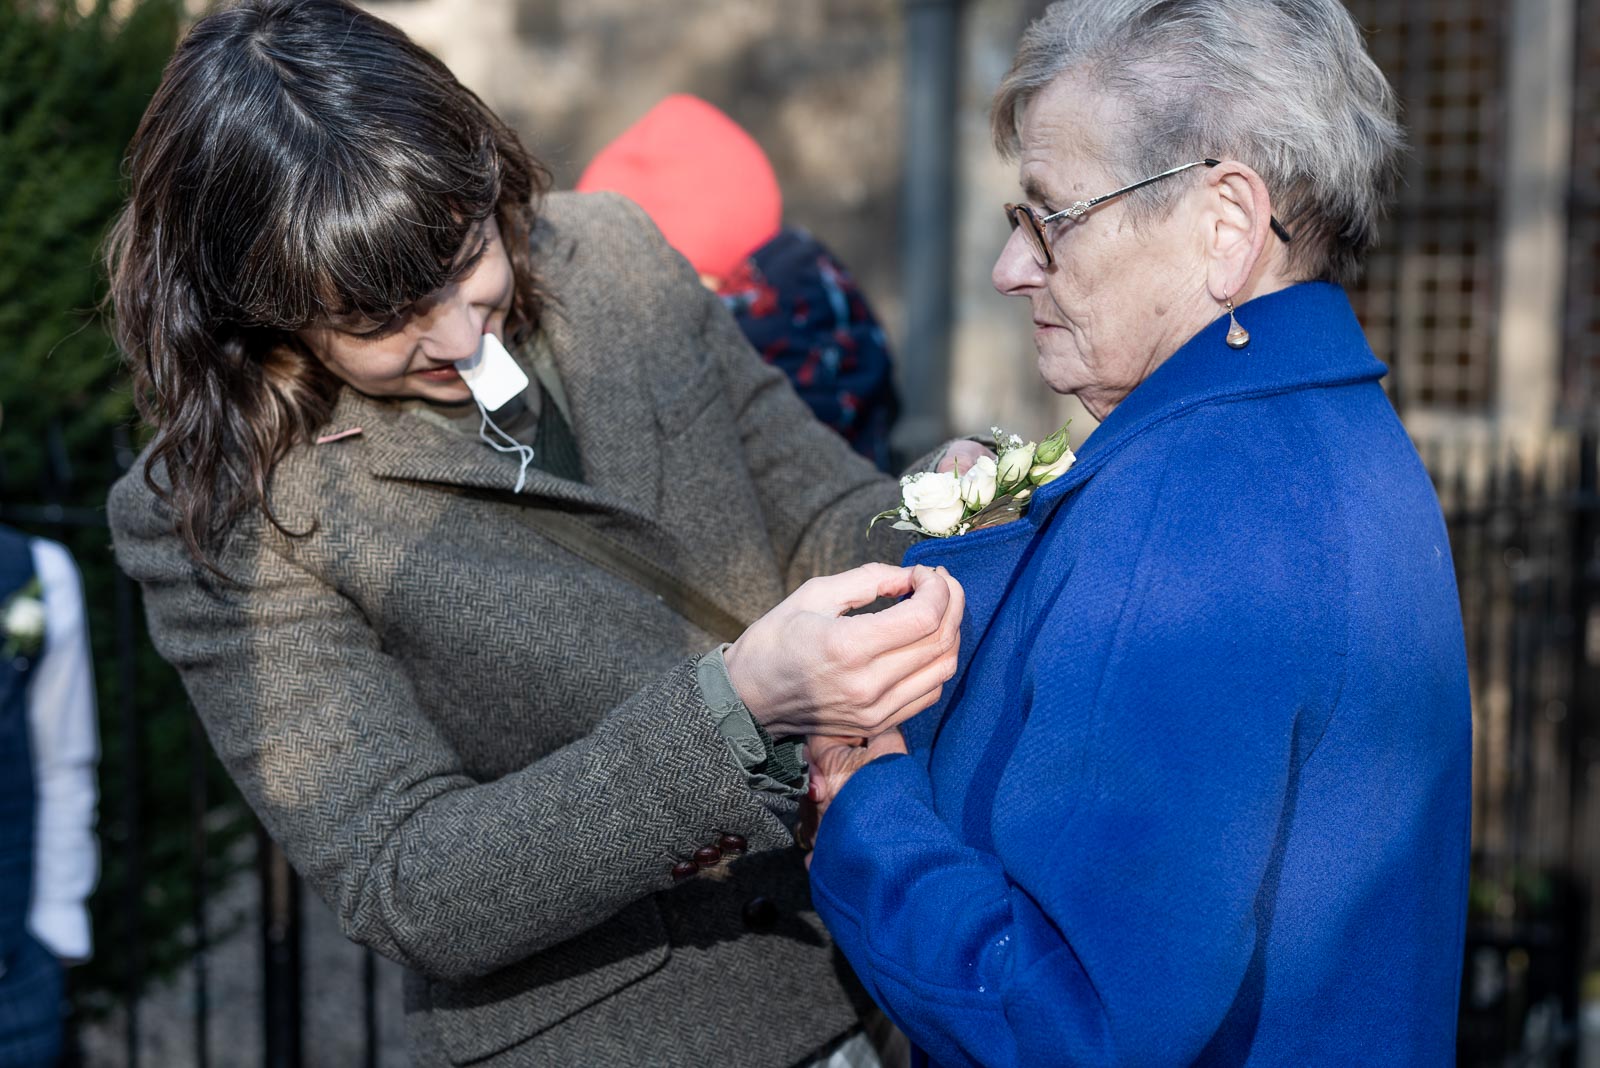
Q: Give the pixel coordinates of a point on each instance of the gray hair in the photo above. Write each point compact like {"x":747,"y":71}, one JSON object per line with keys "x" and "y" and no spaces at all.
{"x":1285,"y":86}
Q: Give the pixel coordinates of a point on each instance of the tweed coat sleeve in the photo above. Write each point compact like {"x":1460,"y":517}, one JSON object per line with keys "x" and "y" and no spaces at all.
{"x":323,"y":732}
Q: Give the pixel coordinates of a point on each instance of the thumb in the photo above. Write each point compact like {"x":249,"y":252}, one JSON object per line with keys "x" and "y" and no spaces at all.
{"x":837,"y":594}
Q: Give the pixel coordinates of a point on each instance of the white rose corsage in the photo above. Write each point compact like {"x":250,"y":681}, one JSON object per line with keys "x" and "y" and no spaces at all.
{"x":993,"y":490}
{"x":22,"y":622}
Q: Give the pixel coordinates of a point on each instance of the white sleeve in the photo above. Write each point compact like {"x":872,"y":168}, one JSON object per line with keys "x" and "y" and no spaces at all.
{"x":65,"y":741}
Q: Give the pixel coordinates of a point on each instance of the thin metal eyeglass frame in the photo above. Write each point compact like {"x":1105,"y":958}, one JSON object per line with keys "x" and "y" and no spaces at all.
{"x":1041,"y":242}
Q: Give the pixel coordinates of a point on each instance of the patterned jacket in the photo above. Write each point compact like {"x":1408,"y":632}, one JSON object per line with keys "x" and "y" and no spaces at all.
{"x":488,"y":756}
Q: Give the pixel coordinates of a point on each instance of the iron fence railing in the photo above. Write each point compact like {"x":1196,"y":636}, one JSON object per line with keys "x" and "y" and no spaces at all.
{"x":1525,"y":532}
{"x":49,"y":510}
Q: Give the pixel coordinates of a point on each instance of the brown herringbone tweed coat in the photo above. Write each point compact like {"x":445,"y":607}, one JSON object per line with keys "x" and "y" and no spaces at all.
{"x":486,"y":755}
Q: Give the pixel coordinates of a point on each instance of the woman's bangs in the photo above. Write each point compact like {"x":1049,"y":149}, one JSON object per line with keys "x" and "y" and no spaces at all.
{"x":368,"y":241}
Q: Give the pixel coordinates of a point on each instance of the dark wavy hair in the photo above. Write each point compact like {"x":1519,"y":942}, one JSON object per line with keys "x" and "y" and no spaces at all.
{"x":301,"y":160}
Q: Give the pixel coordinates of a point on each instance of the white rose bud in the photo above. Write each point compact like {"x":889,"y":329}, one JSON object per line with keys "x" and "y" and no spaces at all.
{"x":1043,"y":473}
{"x":934,"y":498}
{"x":1015,"y":464}
{"x":977,"y":485}
{"x":25,"y":619}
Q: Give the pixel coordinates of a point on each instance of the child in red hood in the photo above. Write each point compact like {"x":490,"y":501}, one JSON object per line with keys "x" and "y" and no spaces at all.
{"x":710,"y":188}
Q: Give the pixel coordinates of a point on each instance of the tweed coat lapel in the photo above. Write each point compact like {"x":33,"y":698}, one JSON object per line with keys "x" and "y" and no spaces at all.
{"x":611,"y":403}
{"x":621,"y":470}
{"x":612,"y":409}
{"x":404,"y":445}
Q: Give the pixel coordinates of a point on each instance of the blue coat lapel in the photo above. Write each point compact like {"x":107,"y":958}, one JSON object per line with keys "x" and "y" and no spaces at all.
{"x":1283,"y":355}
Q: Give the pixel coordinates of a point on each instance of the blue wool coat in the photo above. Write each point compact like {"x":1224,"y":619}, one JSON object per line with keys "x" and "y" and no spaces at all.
{"x":1199,"y":792}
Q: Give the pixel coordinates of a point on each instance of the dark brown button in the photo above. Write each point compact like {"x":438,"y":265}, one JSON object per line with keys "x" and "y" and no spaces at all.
{"x":732,"y":843}
{"x":683,"y":869}
{"x":707,"y":856}
{"x":760,"y":915}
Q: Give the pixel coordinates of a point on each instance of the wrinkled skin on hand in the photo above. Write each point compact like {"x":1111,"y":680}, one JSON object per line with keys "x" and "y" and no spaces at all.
{"x":833,"y":761}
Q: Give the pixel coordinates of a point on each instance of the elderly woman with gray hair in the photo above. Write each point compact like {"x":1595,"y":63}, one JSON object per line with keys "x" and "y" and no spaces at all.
{"x":1199,"y":791}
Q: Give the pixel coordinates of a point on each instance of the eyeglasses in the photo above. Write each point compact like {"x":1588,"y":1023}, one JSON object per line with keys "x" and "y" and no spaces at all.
{"x":1033,"y":226}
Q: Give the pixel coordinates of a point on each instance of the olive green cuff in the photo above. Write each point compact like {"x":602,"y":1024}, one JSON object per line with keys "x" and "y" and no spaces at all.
{"x":774,"y":767}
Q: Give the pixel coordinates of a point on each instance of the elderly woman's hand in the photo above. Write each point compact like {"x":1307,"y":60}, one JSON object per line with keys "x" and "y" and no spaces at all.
{"x":807,"y":668}
{"x":833,"y":761}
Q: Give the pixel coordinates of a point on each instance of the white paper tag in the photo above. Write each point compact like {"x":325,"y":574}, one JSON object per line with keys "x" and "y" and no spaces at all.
{"x":492,"y":375}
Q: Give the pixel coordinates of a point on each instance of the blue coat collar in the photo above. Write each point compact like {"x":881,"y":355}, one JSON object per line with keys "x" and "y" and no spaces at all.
{"x":1302,"y":337}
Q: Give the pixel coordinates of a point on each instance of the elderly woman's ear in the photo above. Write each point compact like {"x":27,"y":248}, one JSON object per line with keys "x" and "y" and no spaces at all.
{"x":1236,"y":217}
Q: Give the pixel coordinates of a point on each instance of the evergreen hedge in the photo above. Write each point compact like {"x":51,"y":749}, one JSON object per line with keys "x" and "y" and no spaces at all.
{"x":74,"y":79}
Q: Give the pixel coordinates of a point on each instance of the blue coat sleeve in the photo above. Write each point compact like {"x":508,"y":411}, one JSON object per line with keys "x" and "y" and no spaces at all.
{"x":1135,"y":828}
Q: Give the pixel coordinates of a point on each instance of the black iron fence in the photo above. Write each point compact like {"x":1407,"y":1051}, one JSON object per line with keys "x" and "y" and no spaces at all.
{"x":170,"y":838}
{"x":1525,"y":531}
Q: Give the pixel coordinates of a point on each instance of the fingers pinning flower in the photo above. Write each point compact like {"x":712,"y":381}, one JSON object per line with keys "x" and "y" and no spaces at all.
{"x":978,"y":484}
{"x":934,"y":500}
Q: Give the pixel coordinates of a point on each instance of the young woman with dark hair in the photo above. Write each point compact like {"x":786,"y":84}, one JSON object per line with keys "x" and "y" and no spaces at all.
{"x":468,"y":689}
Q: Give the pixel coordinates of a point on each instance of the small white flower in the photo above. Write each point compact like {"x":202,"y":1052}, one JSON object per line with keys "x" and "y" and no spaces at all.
{"x":1042,"y":473}
{"x":935,"y":499}
{"x":24,"y":621}
{"x":978,"y":483}
{"x":1015,"y":464}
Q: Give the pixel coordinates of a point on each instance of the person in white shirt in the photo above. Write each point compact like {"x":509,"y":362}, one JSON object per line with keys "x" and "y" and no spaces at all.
{"x":48,"y":751}
{"x":61,"y":718}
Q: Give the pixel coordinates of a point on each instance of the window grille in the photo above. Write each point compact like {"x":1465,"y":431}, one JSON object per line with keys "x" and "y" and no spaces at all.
{"x":1428,"y":298}
{"x":1580,"y":397}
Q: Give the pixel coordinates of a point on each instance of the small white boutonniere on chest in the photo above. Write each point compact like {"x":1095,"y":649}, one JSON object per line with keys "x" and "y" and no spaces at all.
{"x":22,"y":623}
{"x":938,"y":504}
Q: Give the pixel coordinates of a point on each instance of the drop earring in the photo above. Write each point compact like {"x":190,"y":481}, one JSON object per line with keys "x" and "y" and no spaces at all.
{"x":1238,"y":336}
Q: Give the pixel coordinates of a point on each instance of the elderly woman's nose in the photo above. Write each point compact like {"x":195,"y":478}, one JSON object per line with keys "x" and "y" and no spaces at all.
{"x":1016,"y":270}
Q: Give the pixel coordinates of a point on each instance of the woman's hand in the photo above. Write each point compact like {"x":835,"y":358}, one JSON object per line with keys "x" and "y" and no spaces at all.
{"x":960,"y":454}
{"x":833,"y":761}
{"x":807,"y":668}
